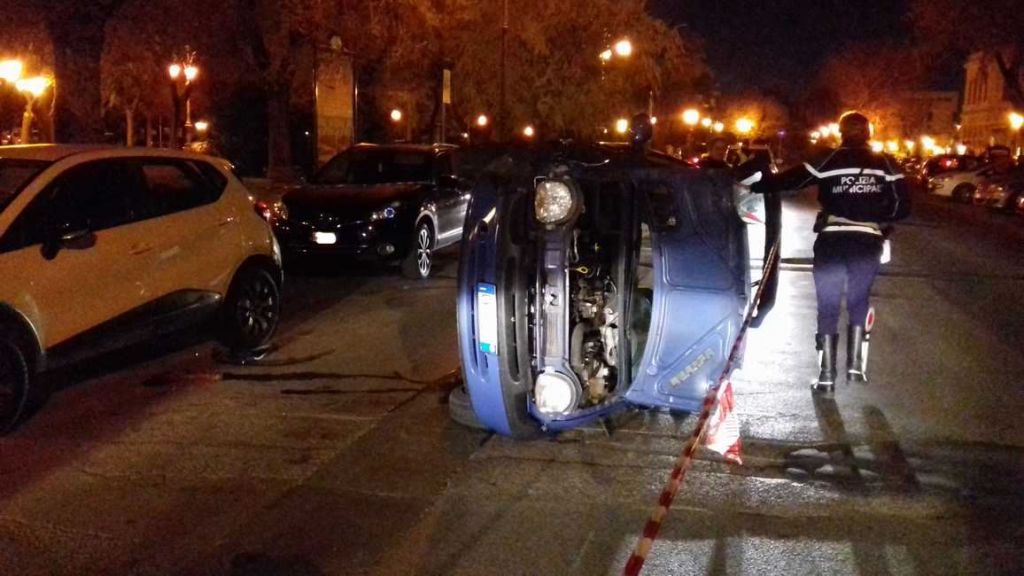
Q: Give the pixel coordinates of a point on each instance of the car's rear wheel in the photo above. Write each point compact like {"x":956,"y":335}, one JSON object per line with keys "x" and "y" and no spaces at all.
{"x":15,"y":382}
{"x":420,"y":261}
{"x":963,"y":193}
{"x":251,"y":312}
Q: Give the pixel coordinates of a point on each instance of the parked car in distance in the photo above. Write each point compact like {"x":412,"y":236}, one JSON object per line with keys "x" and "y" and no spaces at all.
{"x":1000,"y":191}
{"x":959,"y":185}
{"x":944,"y":163}
{"x":388,"y":202}
{"x":102,"y":247}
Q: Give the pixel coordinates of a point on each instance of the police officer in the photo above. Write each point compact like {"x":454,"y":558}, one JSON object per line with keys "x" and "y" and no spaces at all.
{"x":859,"y":191}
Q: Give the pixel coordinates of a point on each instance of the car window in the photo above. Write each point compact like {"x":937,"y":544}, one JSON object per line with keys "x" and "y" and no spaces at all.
{"x":377,"y":166}
{"x":93,"y":196}
{"x":15,"y":175}
{"x":214,"y":177}
{"x":174,"y":186}
{"x":445,"y":165}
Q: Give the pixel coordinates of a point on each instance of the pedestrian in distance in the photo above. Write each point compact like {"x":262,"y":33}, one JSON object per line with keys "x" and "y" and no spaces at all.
{"x":860,"y":192}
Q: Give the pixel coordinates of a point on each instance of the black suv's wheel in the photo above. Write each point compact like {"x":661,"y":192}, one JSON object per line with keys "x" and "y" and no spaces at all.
{"x":251,"y":312}
{"x":420,"y":260}
{"x":15,"y":380}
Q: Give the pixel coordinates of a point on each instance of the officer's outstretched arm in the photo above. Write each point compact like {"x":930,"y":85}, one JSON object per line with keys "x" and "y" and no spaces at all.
{"x":792,"y":180}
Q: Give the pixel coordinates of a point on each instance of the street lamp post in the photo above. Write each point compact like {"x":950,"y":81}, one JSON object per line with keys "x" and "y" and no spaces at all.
{"x":33,"y":88}
{"x":691,"y":117}
{"x":182,"y":74}
{"x":1016,"y":121}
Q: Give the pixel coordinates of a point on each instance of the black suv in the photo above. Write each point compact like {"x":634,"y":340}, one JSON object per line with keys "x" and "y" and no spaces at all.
{"x":393,"y":202}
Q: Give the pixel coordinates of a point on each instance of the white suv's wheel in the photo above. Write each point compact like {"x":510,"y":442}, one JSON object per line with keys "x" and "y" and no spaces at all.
{"x":251,"y":312}
{"x":14,"y":383}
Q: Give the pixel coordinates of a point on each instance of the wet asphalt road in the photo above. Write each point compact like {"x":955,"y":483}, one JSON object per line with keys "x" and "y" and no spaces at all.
{"x":336,"y":454}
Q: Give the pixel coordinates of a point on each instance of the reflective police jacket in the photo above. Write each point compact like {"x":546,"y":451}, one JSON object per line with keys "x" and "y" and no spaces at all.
{"x":856,"y":187}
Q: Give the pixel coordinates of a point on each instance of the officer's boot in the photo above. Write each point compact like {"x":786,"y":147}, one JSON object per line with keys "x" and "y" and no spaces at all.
{"x":826,"y":345}
{"x":856,"y":355}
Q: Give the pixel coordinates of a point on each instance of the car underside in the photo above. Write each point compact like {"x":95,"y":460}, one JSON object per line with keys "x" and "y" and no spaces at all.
{"x":590,"y":284}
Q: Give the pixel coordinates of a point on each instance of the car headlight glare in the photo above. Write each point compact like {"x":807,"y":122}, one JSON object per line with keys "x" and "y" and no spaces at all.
{"x":554,"y":202}
{"x":385,"y":214}
{"x":555,"y":393}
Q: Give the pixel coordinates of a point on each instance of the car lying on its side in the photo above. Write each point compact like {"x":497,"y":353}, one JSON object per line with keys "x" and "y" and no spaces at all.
{"x":396,"y":202}
{"x":104,"y":247}
{"x":594,"y":277}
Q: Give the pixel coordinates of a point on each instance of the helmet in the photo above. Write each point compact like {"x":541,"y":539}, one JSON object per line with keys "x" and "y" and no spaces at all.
{"x":641,"y":130}
{"x":855,"y":128}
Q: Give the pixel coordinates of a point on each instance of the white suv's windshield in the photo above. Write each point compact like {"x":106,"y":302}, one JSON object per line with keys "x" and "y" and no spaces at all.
{"x":15,"y":175}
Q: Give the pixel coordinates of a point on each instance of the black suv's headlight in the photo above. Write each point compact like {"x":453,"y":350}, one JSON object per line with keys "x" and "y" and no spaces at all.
{"x":555,"y":202}
{"x":388,"y":212}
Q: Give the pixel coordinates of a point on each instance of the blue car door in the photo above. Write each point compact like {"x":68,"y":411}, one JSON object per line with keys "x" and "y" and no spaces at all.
{"x":701,"y":286}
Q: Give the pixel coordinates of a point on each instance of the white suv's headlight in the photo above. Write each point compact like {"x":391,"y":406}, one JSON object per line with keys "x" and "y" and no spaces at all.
{"x":554,"y":202}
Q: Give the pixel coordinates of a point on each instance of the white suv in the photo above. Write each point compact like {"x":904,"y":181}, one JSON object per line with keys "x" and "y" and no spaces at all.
{"x":101,"y":247}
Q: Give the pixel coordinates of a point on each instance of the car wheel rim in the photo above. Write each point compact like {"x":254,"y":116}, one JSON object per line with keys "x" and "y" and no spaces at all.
{"x":423,"y":251}
{"x":256,"y":311}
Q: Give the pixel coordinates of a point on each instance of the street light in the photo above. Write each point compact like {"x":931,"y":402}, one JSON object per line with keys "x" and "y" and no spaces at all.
{"x":718,"y":127}
{"x":482,"y":121}
{"x":624,"y":48}
{"x":1016,"y":121}
{"x":706,"y":122}
{"x":396,"y":115}
{"x":182,"y":74}
{"x":11,"y":70}
{"x":32,"y":88}
{"x":606,"y":55}
{"x":528,"y":131}
{"x":744,"y":126}
{"x":691,"y":117}
{"x":622,"y":125}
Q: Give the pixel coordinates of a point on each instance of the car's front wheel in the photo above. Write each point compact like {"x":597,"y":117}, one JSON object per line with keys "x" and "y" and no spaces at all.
{"x":963,"y":193}
{"x":251,"y":312}
{"x":15,"y":380}
{"x":420,"y":261}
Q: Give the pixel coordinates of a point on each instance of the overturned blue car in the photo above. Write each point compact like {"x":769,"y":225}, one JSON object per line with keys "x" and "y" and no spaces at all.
{"x":597,"y":277}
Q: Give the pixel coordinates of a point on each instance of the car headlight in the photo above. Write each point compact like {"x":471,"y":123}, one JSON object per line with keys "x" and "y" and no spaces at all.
{"x":555,"y":393}
{"x":383,"y":214}
{"x":555,"y":202}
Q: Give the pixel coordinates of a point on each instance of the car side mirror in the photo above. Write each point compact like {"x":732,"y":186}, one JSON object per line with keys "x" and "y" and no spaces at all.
{"x":71,"y":238}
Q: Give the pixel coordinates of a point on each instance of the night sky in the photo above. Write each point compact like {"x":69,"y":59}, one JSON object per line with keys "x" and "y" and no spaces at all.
{"x":778,"y":45}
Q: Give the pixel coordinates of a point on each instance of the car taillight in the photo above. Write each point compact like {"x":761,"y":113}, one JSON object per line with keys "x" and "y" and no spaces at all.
{"x":264,"y":210}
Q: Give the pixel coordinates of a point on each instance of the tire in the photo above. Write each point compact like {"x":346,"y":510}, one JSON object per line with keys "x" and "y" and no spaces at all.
{"x":419,"y":262}
{"x":963,"y":193}
{"x":251,"y":312}
{"x":15,"y":383}
{"x":460,"y":408}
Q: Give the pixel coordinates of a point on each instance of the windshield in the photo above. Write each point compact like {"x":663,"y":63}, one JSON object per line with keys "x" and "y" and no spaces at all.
{"x":377,"y":167}
{"x":15,"y":175}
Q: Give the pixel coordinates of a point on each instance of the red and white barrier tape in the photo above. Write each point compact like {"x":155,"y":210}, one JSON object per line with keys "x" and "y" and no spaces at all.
{"x":685,"y":460}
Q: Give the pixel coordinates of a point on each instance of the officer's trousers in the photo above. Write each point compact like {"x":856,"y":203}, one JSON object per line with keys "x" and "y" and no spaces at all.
{"x":844,"y":259}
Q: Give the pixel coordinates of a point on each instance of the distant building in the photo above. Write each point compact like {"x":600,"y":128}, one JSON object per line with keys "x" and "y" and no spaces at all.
{"x":931,"y":113}
{"x":984,"y":120}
